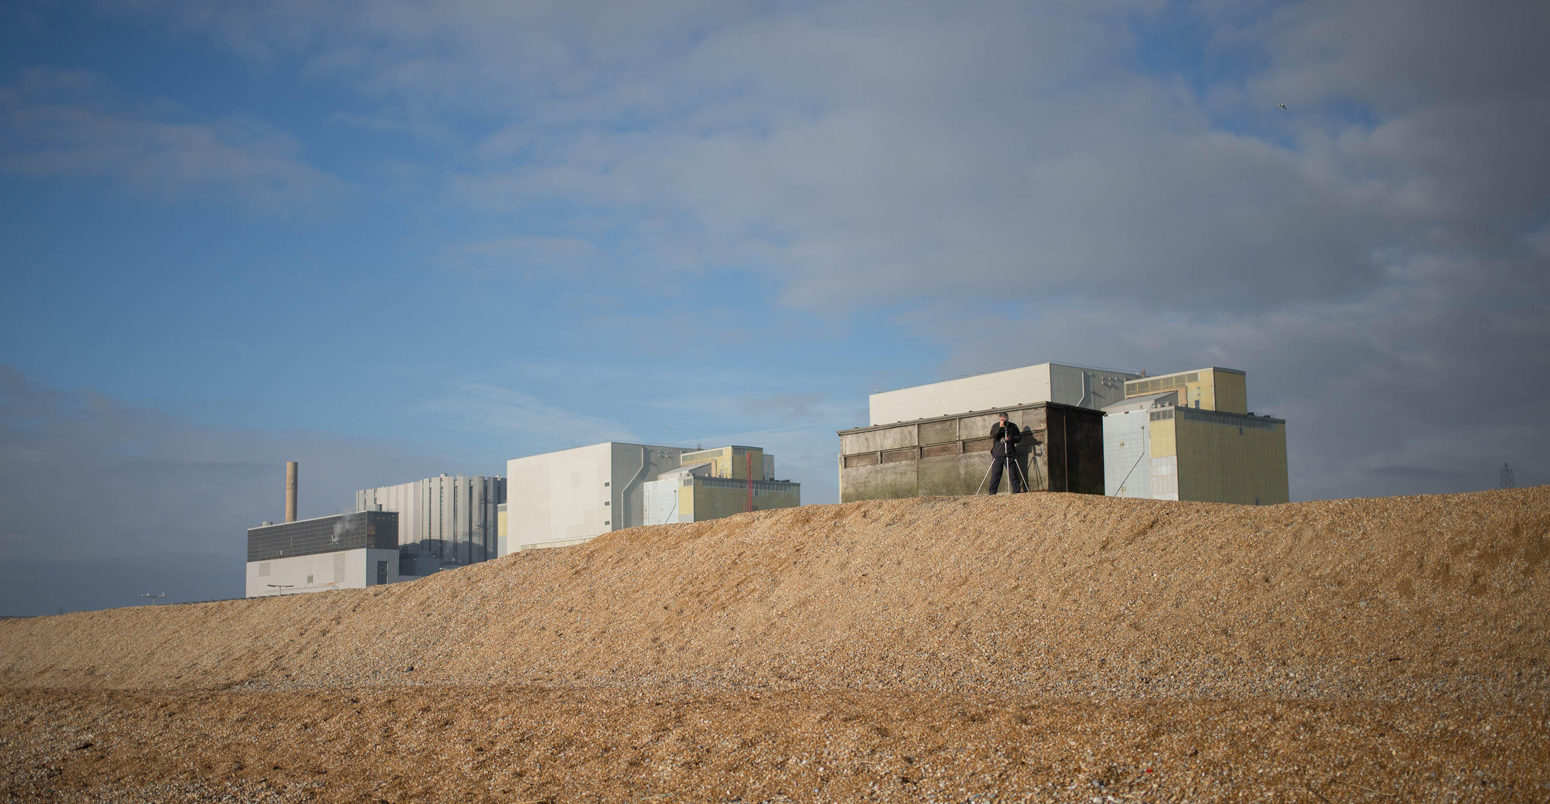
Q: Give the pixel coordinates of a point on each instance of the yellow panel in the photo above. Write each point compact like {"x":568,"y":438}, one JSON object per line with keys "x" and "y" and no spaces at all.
{"x":1229,"y":392}
{"x":720,"y":459}
{"x":1164,"y":445}
{"x":729,"y":462}
{"x":1202,"y":389}
{"x":1226,"y":462}
{"x":715,"y":502}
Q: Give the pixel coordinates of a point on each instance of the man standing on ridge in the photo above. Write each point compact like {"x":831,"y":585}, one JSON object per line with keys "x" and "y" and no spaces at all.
{"x":1005,"y":435}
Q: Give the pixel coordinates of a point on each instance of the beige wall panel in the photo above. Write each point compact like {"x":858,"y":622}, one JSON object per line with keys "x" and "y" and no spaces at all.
{"x":981,"y":392}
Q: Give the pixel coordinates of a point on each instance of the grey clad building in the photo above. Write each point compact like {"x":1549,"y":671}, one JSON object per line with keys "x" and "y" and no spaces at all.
{"x":445,"y":521}
{"x":344,"y":551}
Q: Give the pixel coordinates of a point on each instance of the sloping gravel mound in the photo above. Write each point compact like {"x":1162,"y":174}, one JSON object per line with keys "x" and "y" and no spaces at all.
{"x":1047,"y":594}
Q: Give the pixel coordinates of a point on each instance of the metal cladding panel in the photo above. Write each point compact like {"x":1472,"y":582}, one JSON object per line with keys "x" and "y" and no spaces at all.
{"x":662,"y":500}
{"x":716,"y":497}
{"x":1127,"y":455}
{"x":1087,"y":387}
{"x":452,"y":519}
{"x":1224,"y":457}
{"x":365,"y":529}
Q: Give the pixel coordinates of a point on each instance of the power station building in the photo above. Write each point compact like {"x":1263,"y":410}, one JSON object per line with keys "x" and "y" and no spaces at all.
{"x":572,"y":496}
{"x":1061,"y":450}
{"x":445,"y":521}
{"x":1182,"y":436}
{"x":344,"y":551}
{"x":716,"y":483}
{"x":1190,"y":436}
{"x":1079,"y":386}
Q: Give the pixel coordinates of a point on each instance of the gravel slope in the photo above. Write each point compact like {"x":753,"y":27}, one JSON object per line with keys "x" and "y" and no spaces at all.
{"x":1044,"y":593}
{"x":1399,"y":625}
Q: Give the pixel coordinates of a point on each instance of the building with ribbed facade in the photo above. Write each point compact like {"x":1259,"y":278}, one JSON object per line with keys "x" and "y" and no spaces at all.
{"x":445,"y":521}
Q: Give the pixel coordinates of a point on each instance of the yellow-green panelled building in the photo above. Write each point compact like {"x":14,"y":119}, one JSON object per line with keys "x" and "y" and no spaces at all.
{"x":1190,"y":436}
{"x":715,"y":483}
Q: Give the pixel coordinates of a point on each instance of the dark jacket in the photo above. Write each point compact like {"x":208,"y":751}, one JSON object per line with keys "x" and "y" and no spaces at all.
{"x":1013,"y":433}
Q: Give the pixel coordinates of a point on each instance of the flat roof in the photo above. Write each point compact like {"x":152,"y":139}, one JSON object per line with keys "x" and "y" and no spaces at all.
{"x":1024,"y":406}
{"x":1142,"y":400}
{"x":1206,"y":413}
{"x":317,"y":518}
{"x":1007,"y":371}
{"x":1189,"y":371}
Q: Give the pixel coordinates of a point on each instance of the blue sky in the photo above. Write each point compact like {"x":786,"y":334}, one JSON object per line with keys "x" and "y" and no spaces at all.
{"x":393,"y":239}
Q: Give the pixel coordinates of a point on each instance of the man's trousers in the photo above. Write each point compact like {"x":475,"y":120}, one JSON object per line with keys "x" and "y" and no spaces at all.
{"x":1016,"y":478}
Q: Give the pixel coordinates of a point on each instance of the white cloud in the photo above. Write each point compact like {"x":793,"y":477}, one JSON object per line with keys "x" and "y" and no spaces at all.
{"x":1007,"y":176}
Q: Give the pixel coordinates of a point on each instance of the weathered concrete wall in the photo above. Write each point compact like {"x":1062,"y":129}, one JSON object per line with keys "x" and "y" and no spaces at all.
{"x":1061,"y":450}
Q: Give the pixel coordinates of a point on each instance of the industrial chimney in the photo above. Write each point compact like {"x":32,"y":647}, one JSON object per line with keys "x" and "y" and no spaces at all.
{"x":290,"y":491}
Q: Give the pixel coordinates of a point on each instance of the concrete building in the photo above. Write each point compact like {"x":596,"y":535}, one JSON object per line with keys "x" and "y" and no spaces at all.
{"x":1190,"y":436}
{"x":574,"y":495}
{"x":344,"y":551}
{"x":1061,"y":450}
{"x":716,"y":483}
{"x":445,"y":521}
{"x":1079,"y":386}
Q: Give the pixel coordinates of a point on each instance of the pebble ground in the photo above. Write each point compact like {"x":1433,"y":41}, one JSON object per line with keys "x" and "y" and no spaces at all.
{"x":1042,"y":647}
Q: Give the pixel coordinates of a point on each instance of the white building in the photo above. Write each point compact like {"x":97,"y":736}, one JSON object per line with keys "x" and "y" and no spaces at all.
{"x":574,"y":495}
{"x":344,"y":551}
{"x":1127,"y":450}
{"x":442,"y":521}
{"x":1046,"y":382}
{"x":1190,"y":436}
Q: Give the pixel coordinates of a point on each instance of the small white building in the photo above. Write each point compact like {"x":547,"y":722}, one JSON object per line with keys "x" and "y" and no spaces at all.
{"x":574,"y":495}
{"x":1127,"y":450}
{"x":1190,"y":436}
{"x":344,"y":551}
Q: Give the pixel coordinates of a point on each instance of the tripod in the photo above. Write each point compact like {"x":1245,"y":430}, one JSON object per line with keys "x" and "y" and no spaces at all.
{"x":1014,"y":472}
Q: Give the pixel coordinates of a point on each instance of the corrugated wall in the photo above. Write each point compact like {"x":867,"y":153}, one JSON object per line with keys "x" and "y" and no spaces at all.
{"x":450,"y":518}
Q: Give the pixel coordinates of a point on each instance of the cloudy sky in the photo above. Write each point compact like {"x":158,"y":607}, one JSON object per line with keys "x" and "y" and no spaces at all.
{"x":390,"y":239}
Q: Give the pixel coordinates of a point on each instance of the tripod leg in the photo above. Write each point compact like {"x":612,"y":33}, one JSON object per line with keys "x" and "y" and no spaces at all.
{"x":1022,"y":479}
{"x":981,"y":486}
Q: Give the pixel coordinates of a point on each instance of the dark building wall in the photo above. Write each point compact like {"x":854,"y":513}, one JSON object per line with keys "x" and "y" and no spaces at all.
{"x":373,"y":529}
{"x":1061,"y":450}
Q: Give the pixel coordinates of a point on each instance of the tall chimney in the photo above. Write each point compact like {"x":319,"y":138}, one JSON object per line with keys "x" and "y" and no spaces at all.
{"x":290,"y":491}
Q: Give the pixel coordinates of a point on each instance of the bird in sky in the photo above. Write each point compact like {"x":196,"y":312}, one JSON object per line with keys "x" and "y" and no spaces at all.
{"x":1281,"y":106}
